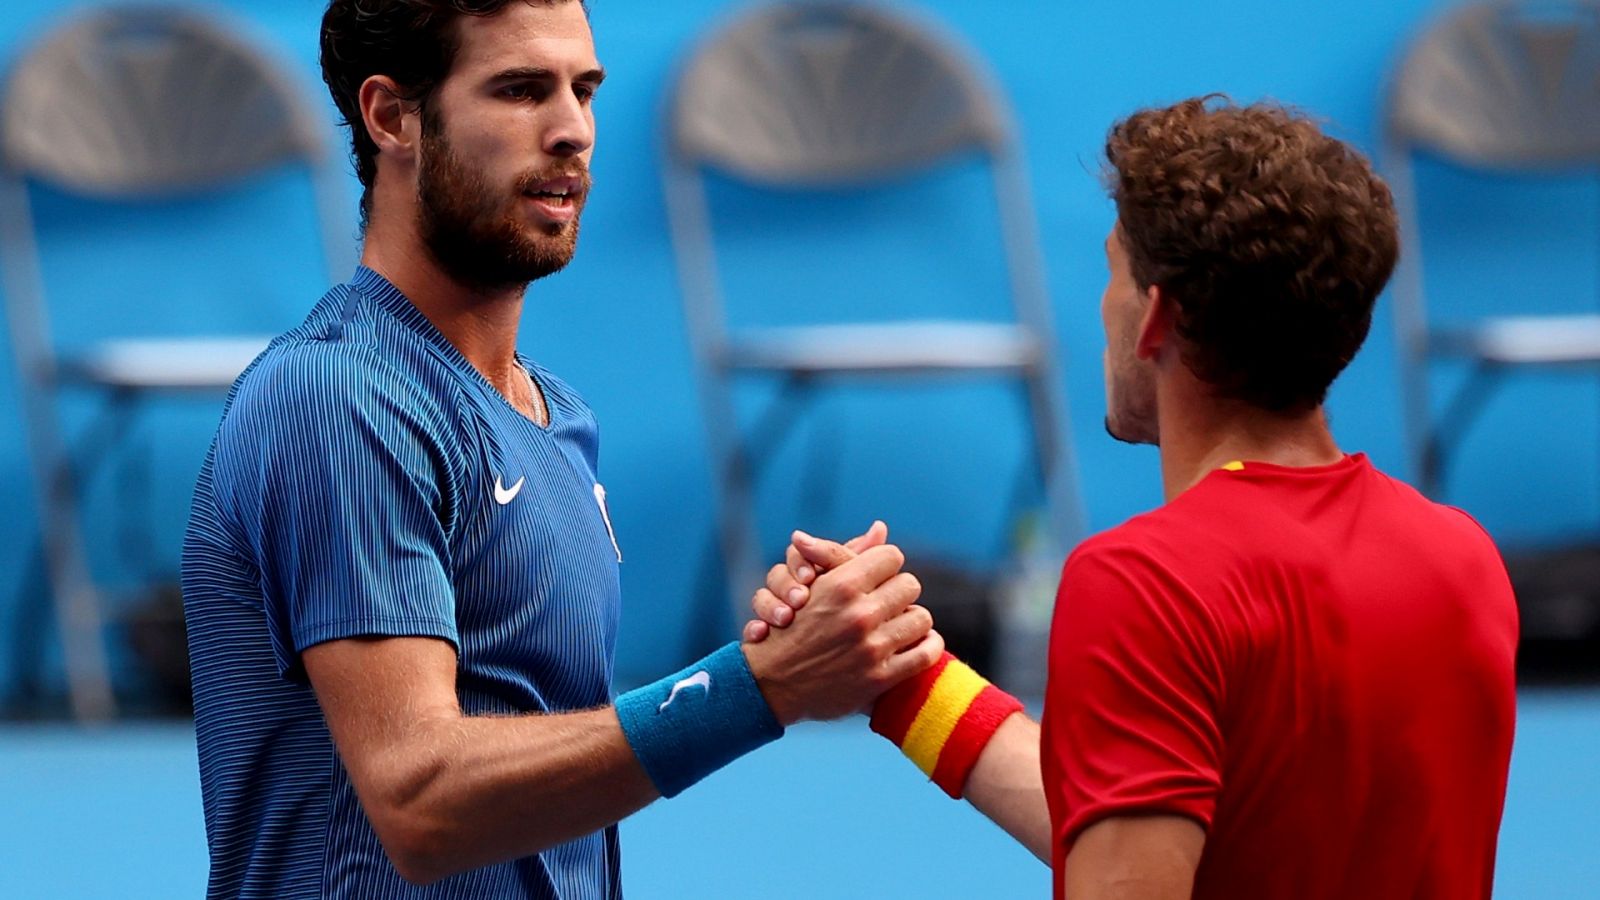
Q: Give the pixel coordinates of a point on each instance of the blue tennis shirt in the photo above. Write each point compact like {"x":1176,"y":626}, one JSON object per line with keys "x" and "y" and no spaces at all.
{"x":366,"y":480}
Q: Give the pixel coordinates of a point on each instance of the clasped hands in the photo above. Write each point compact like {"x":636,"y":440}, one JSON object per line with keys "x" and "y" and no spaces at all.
{"x":861,"y":632}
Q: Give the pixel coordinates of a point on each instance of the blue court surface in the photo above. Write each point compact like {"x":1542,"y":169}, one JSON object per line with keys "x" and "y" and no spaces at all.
{"x":829,"y":812}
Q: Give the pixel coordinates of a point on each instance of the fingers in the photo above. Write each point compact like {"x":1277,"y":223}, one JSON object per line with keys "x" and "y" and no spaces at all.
{"x":866,"y":572}
{"x":914,"y":660}
{"x":891,"y":598}
{"x":781,"y":582}
{"x":770,"y":610}
{"x":876,"y":536}
{"x":802,"y":570}
{"x":756,"y":631}
{"x":823,"y":554}
{"x":907,"y":629}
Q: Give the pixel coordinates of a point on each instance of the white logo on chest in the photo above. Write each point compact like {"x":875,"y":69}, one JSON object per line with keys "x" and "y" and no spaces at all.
{"x":700,"y":679}
{"x":504,"y":495}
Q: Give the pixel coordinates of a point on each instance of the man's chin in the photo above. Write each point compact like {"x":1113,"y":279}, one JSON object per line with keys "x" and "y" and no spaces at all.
{"x":1132,"y":435}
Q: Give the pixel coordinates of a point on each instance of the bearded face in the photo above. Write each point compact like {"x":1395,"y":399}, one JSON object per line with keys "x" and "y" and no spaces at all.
{"x":492,"y":236}
{"x":1130,"y":381}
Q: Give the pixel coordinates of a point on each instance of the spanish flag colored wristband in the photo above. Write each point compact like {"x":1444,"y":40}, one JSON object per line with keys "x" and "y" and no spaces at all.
{"x":942,"y":719}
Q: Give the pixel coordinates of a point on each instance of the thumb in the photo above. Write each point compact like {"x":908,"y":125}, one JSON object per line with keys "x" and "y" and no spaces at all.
{"x":823,"y":554}
{"x":877,"y":535}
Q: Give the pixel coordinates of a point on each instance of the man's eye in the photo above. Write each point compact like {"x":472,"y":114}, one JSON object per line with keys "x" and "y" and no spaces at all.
{"x":517,"y":91}
{"x":584,"y":92}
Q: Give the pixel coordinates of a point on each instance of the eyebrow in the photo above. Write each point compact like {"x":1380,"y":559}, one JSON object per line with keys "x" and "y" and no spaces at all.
{"x":537,"y":73}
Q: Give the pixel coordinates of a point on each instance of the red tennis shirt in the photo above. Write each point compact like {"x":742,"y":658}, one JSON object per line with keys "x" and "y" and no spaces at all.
{"x":1314,"y":664}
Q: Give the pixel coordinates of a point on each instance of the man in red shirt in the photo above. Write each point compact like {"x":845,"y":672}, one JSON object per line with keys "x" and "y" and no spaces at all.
{"x":1295,"y":678}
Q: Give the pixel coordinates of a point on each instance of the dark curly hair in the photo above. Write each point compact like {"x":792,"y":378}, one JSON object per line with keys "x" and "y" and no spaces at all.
{"x":412,"y":41}
{"x":1273,"y":239}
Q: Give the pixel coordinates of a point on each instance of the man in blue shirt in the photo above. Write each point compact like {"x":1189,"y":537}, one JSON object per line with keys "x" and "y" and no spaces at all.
{"x":400,"y":575}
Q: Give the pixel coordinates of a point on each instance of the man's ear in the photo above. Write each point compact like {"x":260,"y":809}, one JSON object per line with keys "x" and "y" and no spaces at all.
{"x":1156,"y":328}
{"x":391,"y":122}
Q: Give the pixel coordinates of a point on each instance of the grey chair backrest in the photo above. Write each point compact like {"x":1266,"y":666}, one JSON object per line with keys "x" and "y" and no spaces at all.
{"x":149,"y":100}
{"x":829,"y":93}
{"x":1497,"y":87}
{"x":124,"y":104}
{"x":1503,"y":85}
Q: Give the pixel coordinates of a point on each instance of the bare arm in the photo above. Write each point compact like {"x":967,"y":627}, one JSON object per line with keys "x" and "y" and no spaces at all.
{"x":447,"y":792}
{"x":1006,"y":785}
{"x":1135,"y":858}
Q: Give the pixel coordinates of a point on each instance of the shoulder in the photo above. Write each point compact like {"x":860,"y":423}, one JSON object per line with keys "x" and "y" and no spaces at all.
{"x":334,"y":383}
{"x":1171,"y":540}
{"x":1123,"y":576}
{"x":1152,"y":582}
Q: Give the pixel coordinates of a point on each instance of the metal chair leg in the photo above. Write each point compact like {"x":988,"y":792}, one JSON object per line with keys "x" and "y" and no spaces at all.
{"x":1464,"y":407}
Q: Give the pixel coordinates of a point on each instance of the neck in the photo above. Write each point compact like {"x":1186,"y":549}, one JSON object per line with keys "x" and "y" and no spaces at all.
{"x":1200,"y":433}
{"x":480,"y":323}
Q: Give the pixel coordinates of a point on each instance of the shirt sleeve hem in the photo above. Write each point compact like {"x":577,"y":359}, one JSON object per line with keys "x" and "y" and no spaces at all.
{"x":310,"y":635}
{"x":1074,"y":827}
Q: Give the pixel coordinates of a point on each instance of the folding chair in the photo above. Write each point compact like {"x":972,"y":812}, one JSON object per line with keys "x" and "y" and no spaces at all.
{"x":128,"y":105}
{"x":828,"y":95}
{"x":1499,"y":88}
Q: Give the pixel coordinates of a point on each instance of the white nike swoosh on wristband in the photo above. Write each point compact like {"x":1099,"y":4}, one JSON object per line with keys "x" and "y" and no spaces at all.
{"x":700,"y":679}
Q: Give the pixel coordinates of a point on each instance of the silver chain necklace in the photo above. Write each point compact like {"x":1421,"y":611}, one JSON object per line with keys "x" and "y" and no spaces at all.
{"x":541,"y":411}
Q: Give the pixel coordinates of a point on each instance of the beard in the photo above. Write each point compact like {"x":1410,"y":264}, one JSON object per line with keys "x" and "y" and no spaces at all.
{"x":476,"y":237}
{"x":1131,"y":406}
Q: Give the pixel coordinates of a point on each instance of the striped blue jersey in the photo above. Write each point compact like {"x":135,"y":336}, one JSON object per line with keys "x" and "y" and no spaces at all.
{"x":366,"y":480}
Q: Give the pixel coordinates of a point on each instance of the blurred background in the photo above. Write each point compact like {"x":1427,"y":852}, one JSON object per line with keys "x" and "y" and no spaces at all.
{"x":1508,"y":208}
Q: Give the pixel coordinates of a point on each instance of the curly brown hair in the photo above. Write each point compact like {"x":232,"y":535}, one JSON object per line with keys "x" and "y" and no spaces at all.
{"x":412,"y":41}
{"x":1273,"y":239}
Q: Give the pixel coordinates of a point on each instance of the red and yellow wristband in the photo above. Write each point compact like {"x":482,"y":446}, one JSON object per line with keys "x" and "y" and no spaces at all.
{"x":942,"y":719}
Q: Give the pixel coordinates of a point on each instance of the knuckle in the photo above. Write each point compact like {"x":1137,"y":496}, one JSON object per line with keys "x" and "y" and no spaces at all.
{"x":878,"y":648}
{"x":860,"y":621}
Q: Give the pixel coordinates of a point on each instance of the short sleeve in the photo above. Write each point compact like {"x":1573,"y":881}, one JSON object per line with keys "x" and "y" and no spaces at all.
{"x":1130,"y":723}
{"x":338,"y":475}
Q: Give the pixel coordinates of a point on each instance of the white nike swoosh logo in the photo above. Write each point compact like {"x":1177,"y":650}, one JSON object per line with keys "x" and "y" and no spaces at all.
{"x":504,"y":495}
{"x":700,"y":679}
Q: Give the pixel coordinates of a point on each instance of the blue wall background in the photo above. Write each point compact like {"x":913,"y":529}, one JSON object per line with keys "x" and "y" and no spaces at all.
{"x":934,"y":463}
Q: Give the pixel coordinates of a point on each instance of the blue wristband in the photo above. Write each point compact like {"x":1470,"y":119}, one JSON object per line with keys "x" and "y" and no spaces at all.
{"x":694,"y":722}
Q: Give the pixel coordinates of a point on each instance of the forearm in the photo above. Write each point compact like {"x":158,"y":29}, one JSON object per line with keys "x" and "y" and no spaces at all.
{"x":1006,"y":785}
{"x":469,"y":791}
{"x":974,"y":741}
{"x":447,"y":792}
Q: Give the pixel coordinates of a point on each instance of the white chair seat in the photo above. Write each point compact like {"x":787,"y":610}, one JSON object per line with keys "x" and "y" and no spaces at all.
{"x":901,"y":348}
{"x":167,"y":364}
{"x":1526,"y":340}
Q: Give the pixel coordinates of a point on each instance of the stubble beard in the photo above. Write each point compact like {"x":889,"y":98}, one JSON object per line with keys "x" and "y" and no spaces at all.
{"x":1131,"y":410}
{"x":476,"y":237}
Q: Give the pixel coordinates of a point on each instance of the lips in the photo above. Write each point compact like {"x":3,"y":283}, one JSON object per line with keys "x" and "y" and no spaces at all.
{"x":557,"y":199}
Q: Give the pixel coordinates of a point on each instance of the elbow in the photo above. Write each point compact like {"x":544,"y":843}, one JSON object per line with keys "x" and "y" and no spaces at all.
{"x":417,"y":847}
{"x":417,"y":835}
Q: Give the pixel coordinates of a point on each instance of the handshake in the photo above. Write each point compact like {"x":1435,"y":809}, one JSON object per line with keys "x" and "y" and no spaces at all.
{"x":836,"y":626}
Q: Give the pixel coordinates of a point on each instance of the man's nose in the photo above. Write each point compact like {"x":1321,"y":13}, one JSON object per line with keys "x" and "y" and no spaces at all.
{"x":569,"y":130}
